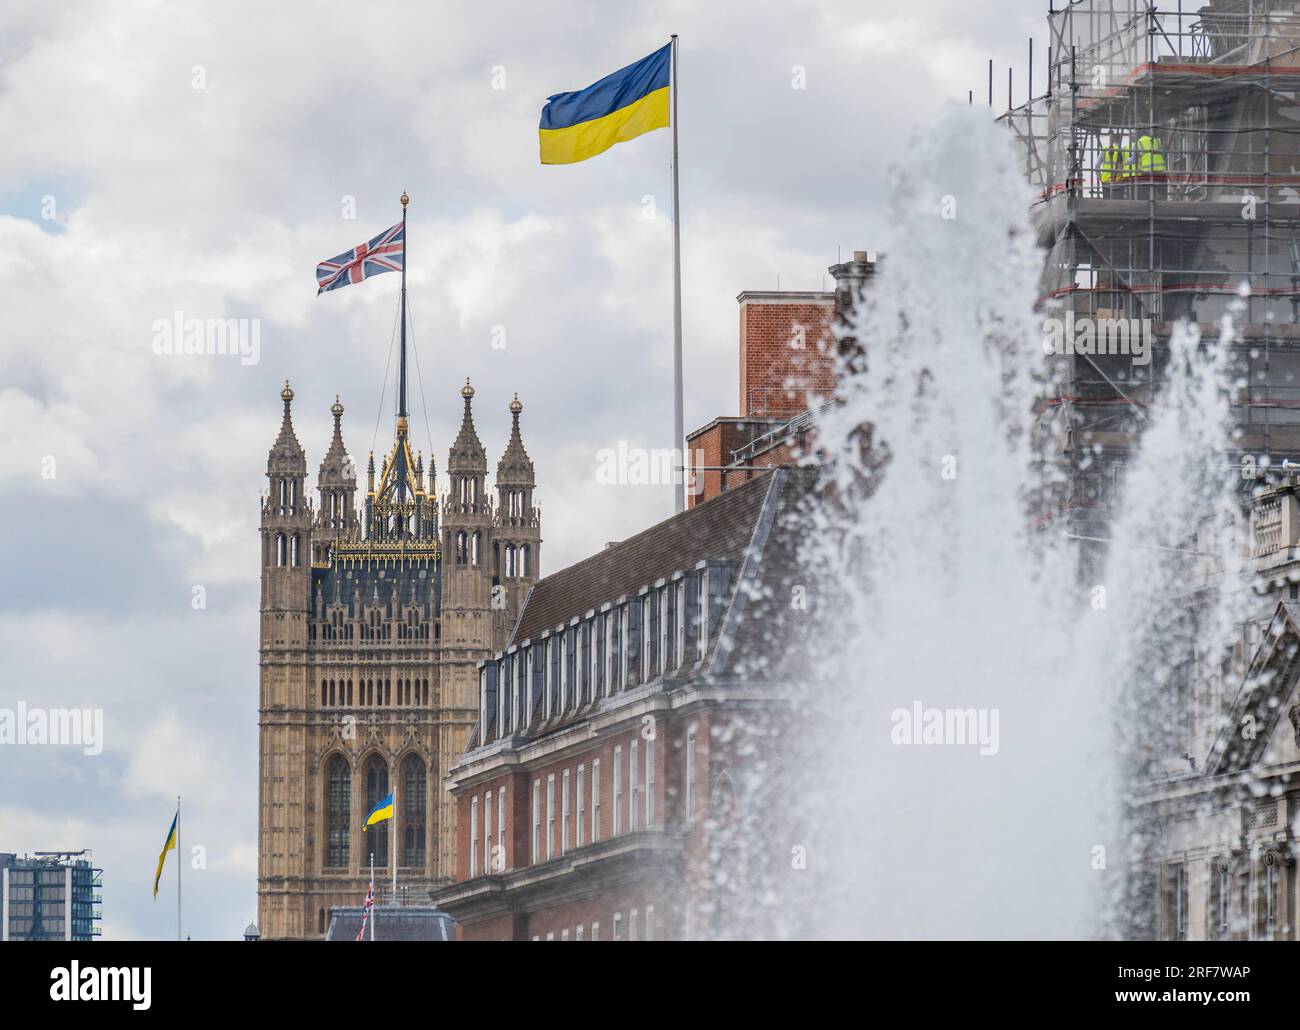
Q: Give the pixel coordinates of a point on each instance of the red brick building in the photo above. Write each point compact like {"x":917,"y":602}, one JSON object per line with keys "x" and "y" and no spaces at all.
{"x":788,"y":343}
{"x":619,"y":734}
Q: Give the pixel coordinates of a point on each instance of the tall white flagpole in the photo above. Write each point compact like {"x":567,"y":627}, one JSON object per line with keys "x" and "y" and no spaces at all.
{"x":178,"y":867}
{"x":372,"y":895}
{"x":679,"y":430}
{"x":392,"y":832}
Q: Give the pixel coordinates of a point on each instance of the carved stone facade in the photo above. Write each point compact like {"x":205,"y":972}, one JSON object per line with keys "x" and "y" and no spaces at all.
{"x":1224,"y":809}
{"x":372,"y":625}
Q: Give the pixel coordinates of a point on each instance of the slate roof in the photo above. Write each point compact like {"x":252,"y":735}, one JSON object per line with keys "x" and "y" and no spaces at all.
{"x":720,"y":528}
{"x":394,"y":923}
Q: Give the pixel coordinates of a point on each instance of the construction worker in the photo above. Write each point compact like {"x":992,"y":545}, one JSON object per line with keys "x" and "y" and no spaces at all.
{"x":1148,"y":160}
{"x":1114,"y":166}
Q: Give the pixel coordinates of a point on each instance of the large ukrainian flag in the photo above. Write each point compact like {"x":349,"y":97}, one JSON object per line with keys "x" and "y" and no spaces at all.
{"x":621,"y":106}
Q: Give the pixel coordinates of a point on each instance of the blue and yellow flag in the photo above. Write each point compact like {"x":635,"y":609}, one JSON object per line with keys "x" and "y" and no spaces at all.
{"x":381,"y":811}
{"x":621,"y":106}
{"x":169,"y":845}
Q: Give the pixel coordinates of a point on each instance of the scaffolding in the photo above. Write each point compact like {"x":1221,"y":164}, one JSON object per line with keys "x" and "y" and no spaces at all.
{"x":1165,"y":163}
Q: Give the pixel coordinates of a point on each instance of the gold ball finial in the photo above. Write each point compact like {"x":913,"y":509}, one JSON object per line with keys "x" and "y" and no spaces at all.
{"x":467,"y":391}
{"x":286,"y":394}
{"x":405,"y":199}
{"x":515,"y":406}
{"x":336,"y":409}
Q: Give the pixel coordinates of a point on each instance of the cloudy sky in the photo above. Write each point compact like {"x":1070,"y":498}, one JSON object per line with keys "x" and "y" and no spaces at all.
{"x":203,"y":157}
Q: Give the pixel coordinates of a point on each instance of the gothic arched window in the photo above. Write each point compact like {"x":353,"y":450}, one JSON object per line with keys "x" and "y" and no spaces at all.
{"x":414,"y":802}
{"x":476,"y":543}
{"x":293,"y":552}
{"x":279,"y":549}
{"x":338,"y":821}
{"x":376,"y":788}
{"x":525,"y":560}
{"x":462,"y":547}
{"x":510,"y":560}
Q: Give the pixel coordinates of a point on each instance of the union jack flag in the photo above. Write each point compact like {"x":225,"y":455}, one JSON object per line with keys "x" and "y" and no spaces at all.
{"x":385,"y":253}
{"x":365,"y":911}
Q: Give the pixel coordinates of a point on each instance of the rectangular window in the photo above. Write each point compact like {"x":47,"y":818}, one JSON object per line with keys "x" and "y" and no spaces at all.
{"x":499,"y":865}
{"x":575,"y":667}
{"x":487,"y":832}
{"x":1220,"y":892}
{"x":579,"y":827}
{"x":618,"y":790}
{"x":649,"y":922}
{"x":631,"y":925}
{"x":633,"y":793}
{"x":679,"y":628}
{"x":585,"y":694}
{"x":631,"y":663}
{"x":702,"y":613}
{"x":564,"y":813}
{"x":1270,"y":901}
{"x":647,"y":636}
{"x":550,"y":815}
{"x":563,"y":679}
{"x":650,"y":783}
{"x":564,"y":934}
{"x":598,"y":646}
{"x":665,"y":631}
{"x":595,"y":800}
{"x":618,"y":926}
{"x":537,"y":820}
{"x":595,"y":931}
{"x":473,"y":837}
{"x":614,"y":623}
{"x":577,"y":935}
{"x":690,"y":774}
{"x":557,"y":653}
{"x":548,"y":668}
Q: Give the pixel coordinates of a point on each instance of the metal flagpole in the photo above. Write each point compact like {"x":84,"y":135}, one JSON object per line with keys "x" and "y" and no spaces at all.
{"x":679,"y":432}
{"x":401,"y":392}
{"x":392,"y":832}
{"x":372,"y":895}
{"x":178,"y":867}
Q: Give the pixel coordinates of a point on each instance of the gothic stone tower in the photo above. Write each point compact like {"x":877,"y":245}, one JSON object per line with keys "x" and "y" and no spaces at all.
{"x":372,"y":625}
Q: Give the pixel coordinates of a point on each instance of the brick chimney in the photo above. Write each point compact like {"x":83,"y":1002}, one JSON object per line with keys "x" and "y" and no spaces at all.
{"x":786,"y":348}
{"x":787,"y":359}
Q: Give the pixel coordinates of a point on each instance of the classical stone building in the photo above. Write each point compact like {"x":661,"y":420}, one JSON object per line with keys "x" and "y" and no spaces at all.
{"x":373,"y":621}
{"x":1223,"y":803}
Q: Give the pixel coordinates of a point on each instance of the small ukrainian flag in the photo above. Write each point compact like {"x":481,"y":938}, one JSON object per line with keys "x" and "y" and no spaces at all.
{"x":621,"y":106}
{"x":381,"y":811}
{"x":169,"y":845}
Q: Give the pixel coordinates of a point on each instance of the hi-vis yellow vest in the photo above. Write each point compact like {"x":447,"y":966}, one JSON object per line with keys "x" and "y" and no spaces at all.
{"x":1150,"y":158}
{"x":1112,"y":163}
